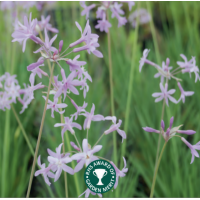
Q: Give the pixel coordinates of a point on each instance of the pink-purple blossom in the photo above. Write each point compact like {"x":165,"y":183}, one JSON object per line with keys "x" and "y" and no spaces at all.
{"x":68,"y":125}
{"x":91,"y":117}
{"x":119,"y":173}
{"x":25,"y":32}
{"x":103,"y":24}
{"x":44,"y":23}
{"x":79,"y":109}
{"x":58,"y":162}
{"x":170,"y":132}
{"x":164,"y":94}
{"x":86,"y":156}
{"x":184,"y":93}
{"x":115,"y":127}
{"x":44,"y":171}
{"x":193,"y":148}
{"x":86,"y":9}
{"x":54,"y":106}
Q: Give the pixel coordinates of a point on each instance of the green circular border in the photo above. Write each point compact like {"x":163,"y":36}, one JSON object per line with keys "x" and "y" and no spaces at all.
{"x":92,"y":165}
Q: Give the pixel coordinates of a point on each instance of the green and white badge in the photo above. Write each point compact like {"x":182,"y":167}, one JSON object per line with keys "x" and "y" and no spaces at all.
{"x":100,"y":176}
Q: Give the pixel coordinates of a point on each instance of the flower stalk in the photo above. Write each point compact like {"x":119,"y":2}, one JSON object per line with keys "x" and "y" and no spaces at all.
{"x":39,"y":136}
{"x":156,"y":171}
{"x":111,"y":94}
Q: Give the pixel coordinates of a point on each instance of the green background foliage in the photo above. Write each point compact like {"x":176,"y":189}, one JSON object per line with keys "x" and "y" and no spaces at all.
{"x":176,"y":31}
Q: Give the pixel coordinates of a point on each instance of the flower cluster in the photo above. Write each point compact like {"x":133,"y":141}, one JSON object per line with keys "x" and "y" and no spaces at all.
{"x":83,"y":155}
{"x":101,"y":13}
{"x":16,"y":10}
{"x":11,"y":91}
{"x":166,"y":76}
{"x":60,"y":90}
{"x":165,"y":73}
{"x":171,"y":132}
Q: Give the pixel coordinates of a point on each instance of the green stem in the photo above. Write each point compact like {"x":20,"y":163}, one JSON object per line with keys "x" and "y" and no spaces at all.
{"x":99,"y":139}
{"x":111,"y":94}
{"x":39,"y":136}
{"x":77,"y":141}
{"x":160,"y":136}
{"x":153,"y":31}
{"x":23,"y":131}
{"x":65,"y":174}
{"x":87,"y":134}
{"x":154,"y":177}
{"x":130,"y":87}
{"x":6,"y":148}
{"x":28,"y":143}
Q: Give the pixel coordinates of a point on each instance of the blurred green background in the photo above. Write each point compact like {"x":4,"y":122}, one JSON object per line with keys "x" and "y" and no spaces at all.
{"x":176,"y":27}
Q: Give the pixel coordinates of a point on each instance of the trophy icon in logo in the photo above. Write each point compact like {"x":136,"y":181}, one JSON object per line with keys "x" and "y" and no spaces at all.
{"x":100,"y":173}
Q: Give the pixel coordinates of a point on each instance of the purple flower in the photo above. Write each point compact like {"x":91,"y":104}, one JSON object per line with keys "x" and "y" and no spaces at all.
{"x":47,"y":44}
{"x":25,"y":32}
{"x":85,"y":157}
{"x":170,"y":132}
{"x":60,"y":45}
{"x":166,"y":68}
{"x":193,"y":149}
{"x":35,"y":65}
{"x":78,"y":108}
{"x":142,"y":14}
{"x":103,"y":24}
{"x":84,"y":87}
{"x":165,"y":94}
{"x":67,"y":84}
{"x":10,"y":79}
{"x":68,"y":125}
{"x":44,"y":171}
{"x":75,"y":146}
{"x":90,"y":47}
{"x":4,"y":101}
{"x":88,"y":192}
{"x":13,"y":91}
{"x":186,"y":64}
{"x":44,"y":23}
{"x":75,"y":64}
{"x":130,"y":4}
{"x":54,"y":106}
{"x":91,"y":117}
{"x":117,"y":8}
{"x":115,"y":127}
{"x":86,"y":9}
{"x":119,"y":173}
{"x":143,"y":59}
{"x":116,"y":11}
{"x":84,"y":34}
{"x":37,"y":69}
{"x":184,"y":93}
{"x":89,"y":38}
{"x":58,"y":162}
{"x":28,"y":92}
{"x":100,"y":12}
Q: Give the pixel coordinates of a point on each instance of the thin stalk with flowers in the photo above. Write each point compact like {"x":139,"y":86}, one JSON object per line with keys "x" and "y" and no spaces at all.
{"x":102,"y":13}
{"x":77,"y":78}
{"x":167,"y":76}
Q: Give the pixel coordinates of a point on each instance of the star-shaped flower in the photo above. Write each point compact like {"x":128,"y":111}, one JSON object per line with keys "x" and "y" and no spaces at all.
{"x":85,"y":157}
{"x":164,"y":94}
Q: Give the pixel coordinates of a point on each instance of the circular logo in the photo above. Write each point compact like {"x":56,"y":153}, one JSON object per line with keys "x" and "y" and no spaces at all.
{"x":100,"y":176}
